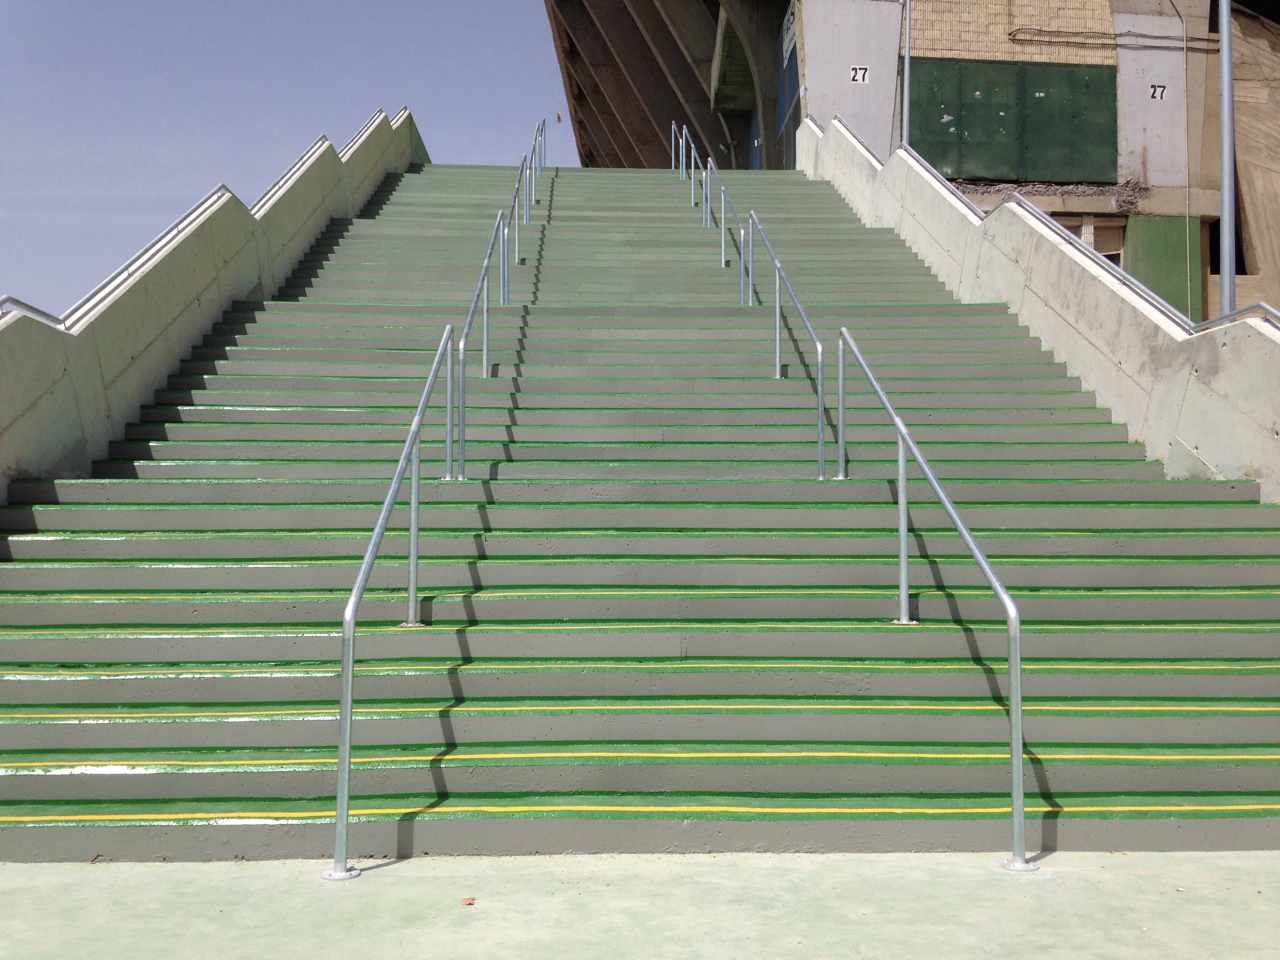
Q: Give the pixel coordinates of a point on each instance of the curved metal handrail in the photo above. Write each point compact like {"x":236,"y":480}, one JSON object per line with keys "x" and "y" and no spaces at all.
{"x":727,"y":206}
{"x":685,"y":152}
{"x":526,"y":188}
{"x":512,"y":226}
{"x":1255,"y":311}
{"x":410,"y":459}
{"x":480,"y":297}
{"x":1013,"y":620}
{"x":780,"y":282}
{"x":10,"y":304}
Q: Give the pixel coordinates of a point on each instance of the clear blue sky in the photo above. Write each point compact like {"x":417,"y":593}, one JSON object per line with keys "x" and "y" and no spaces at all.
{"x":119,"y":116}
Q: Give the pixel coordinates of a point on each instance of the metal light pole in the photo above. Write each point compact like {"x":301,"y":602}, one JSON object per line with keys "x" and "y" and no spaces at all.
{"x":906,"y":76}
{"x":1227,"y":221}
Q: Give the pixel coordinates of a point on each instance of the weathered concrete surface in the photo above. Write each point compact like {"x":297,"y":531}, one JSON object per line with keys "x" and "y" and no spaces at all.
{"x":1151,"y":100}
{"x":66,"y":391}
{"x":1202,"y":405}
{"x":744,"y":905}
{"x":841,"y":34}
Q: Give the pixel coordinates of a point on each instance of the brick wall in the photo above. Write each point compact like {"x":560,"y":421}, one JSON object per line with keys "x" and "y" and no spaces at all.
{"x":979,"y":30}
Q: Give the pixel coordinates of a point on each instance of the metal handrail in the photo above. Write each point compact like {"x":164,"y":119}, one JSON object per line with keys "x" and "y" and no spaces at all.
{"x":90,"y":300}
{"x":269,"y":194}
{"x":1257,"y":311}
{"x":951,"y":188}
{"x":726,"y":206}
{"x":513,"y":226}
{"x":526,"y":189}
{"x":907,"y":444}
{"x":1153,"y":299}
{"x":782,"y":281}
{"x":711,"y":172}
{"x":410,"y":459}
{"x":1015,"y":199}
{"x":362,"y":132}
{"x":685,"y":159}
{"x":8,"y":303}
{"x":480,"y":297}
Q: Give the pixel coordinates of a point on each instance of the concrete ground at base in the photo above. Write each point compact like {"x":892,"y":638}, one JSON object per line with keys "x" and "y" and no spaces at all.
{"x":1167,"y":905}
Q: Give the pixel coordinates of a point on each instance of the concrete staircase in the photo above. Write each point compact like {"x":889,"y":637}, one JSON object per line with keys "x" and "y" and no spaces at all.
{"x":649,"y":627}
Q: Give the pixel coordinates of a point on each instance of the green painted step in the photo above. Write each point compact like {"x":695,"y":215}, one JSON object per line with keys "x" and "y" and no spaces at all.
{"x":682,"y":638}
{"x":780,"y":766}
{"x":812,"y":637}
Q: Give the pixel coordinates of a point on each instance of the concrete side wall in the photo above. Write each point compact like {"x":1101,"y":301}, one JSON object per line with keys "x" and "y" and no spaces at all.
{"x":1202,"y":405}
{"x":66,"y":391}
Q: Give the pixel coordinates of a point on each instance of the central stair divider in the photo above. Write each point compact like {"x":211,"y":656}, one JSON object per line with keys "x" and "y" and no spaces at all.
{"x":691,"y":161}
{"x":480,"y":297}
{"x":685,"y":151}
{"x":455,"y":467}
{"x":781,"y":280}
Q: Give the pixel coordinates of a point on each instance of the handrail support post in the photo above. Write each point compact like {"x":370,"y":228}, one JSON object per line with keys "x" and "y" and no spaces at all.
{"x":822,"y":427}
{"x":415,"y":482}
{"x":504,"y":274}
{"x":904,"y":573}
{"x":1018,"y":862}
{"x":461,"y":390}
{"x":777,"y":322}
{"x":842,"y":472}
{"x":341,"y":869}
{"x":724,"y":227}
{"x":448,"y":405}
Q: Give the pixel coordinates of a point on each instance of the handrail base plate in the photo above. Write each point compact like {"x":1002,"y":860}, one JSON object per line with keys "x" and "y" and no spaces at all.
{"x":1020,"y":866}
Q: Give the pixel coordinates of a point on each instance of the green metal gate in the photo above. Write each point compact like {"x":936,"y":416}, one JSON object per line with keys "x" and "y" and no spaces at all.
{"x":988,"y":120}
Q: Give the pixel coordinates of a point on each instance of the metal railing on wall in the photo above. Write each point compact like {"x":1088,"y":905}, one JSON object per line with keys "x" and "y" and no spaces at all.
{"x":1261,"y":310}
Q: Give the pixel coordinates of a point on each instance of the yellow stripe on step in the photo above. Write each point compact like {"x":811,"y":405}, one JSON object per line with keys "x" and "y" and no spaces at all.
{"x":329,"y":713}
{"x":461,"y":759}
{"x":276,"y":670}
{"x":287,"y":815}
